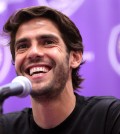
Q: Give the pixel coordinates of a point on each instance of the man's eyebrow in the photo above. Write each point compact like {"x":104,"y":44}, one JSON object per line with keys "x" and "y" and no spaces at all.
{"x":21,"y":40}
{"x":48,"y":36}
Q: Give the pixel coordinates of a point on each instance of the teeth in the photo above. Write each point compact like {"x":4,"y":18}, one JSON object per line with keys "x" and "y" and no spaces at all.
{"x":38,"y":69}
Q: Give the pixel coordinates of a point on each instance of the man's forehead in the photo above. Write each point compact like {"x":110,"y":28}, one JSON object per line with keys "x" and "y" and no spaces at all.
{"x":37,"y":27}
{"x":37,"y":22}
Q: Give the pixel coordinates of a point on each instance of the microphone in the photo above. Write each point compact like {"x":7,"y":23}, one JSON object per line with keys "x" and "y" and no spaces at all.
{"x":20,"y":86}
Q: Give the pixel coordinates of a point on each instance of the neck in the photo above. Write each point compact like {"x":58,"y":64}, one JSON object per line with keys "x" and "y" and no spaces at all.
{"x":49,"y":114}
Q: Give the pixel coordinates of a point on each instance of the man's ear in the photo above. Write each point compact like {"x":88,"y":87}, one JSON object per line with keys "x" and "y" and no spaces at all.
{"x":75,"y":58}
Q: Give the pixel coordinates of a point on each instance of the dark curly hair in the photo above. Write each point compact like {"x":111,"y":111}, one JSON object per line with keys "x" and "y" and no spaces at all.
{"x":69,"y":32}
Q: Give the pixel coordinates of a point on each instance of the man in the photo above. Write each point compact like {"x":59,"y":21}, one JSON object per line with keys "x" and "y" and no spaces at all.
{"x":47,"y":48}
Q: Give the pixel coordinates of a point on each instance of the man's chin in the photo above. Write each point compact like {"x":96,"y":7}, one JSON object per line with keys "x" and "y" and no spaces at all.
{"x":48,"y":92}
{"x":42,"y":94}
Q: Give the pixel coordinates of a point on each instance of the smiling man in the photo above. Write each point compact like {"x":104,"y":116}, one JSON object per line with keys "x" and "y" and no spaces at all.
{"x":39,"y":55}
{"x":47,"y":48}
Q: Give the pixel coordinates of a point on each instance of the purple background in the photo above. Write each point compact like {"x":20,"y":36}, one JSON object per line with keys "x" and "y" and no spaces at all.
{"x":99,"y":24}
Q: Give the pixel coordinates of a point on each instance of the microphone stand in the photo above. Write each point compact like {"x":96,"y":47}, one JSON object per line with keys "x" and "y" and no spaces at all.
{"x":1,"y":106}
{"x":2,"y":99}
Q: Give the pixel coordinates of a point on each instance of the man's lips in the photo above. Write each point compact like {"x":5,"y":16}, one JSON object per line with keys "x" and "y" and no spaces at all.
{"x":36,"y":69}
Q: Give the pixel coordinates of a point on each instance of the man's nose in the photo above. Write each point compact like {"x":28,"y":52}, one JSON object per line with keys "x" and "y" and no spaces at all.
{"x":35,"y":51}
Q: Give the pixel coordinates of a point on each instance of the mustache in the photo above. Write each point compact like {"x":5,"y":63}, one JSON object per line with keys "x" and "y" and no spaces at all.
{"x":39,"y":60}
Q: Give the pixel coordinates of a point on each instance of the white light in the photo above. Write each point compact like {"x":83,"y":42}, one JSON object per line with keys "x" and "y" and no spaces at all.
{"x":5,"y":59}
{"x":112,"y":49}
{"x":3,"y":6}
{"x":68,"y":7}
{"x":88,"y":56}
{"x":1,"y":56}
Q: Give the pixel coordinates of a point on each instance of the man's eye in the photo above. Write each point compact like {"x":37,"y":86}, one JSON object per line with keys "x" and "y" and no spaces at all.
{"x":48,"y":42}
{"x":21,"y":47}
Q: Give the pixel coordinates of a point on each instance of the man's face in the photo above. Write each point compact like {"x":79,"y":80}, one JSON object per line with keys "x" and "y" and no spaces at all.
{"x":40,"y":55}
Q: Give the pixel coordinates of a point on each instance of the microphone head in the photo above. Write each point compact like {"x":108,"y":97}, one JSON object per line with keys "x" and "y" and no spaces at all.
{"x":26,"y":85}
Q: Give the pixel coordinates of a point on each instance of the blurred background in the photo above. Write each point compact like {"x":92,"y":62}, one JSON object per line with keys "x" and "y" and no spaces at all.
{"x":99,"y":25}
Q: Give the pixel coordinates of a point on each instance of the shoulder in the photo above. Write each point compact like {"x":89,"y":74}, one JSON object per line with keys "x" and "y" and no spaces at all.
{"x":16,"y":115}
{"x":15,"y":120}
{"x":99,"y":105}
{"x":99,"y":101}
{"x":105,"y":109}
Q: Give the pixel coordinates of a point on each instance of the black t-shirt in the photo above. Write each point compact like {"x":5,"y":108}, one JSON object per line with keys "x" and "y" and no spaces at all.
{"x":92,"y":115}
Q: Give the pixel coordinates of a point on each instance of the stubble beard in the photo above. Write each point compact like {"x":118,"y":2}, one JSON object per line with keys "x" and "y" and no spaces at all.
{"x":56,"y":86}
